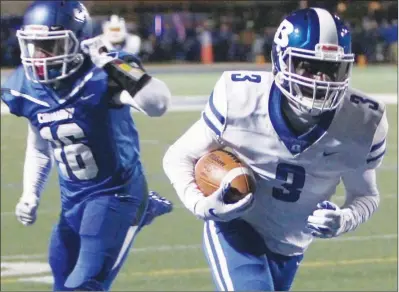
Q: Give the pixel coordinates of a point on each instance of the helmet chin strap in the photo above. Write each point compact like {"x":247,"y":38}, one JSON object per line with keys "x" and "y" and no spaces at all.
{"x":303,"y":109}
{"x":300,"y":119}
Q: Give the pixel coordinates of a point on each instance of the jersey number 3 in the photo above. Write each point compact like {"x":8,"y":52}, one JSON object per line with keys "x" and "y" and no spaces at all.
{"x":237,"y":77}
{"x":71,"y":154}
{"x":294,"y":177}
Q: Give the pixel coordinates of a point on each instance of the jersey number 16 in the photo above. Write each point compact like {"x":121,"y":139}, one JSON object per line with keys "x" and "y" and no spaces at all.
{"x":71,"y":154}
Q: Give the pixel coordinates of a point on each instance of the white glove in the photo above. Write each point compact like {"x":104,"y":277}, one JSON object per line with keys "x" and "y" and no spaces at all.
{"x":328,"y":220}
{"x":26,"y":210}
{"x":214,"y":208}
{"x":96,"y":48}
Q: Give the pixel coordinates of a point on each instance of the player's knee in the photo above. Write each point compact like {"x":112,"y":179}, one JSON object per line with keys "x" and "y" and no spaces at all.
{"x":157,"y":105}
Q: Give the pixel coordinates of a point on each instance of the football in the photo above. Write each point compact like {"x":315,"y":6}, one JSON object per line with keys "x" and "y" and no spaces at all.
{"x":218,"y":166}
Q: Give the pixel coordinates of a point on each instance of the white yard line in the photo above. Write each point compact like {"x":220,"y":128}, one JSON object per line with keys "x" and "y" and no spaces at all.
{"x":169,"y":248}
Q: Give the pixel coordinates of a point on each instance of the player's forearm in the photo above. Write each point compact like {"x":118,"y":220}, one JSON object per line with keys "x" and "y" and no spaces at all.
{"x":36,"y":172}
{"x":37,"y":165}
{"x":359,"y":210}
{"x":127,"y":74}
{"x":179,"y":169}
{"x":362,"y":197}
{"x":153,"y":99}
{"x":180,"y":159}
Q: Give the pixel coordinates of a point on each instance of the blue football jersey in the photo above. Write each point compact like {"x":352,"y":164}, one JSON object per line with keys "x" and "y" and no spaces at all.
{"x":95,"y":144}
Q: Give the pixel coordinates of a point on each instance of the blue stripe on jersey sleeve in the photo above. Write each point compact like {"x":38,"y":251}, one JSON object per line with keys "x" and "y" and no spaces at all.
{"x":217,"y":114}
{"x":377,"y":157}
{"x":377,"y":146}
{"x":210,"y":124}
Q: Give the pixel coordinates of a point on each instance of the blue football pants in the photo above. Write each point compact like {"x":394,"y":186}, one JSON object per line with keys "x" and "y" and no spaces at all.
{"x":92,"y":240}
{"x":240,"y":261}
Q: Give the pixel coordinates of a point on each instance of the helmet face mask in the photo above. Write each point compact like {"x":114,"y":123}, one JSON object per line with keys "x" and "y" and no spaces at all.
{"x":115,"y":30}
{"x":314,"y":78}
{"x":48,"y":56}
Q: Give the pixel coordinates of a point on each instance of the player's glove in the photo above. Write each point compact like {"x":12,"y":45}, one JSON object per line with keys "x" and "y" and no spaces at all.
{"x":97,"y":50}
{"x":26,"y":210}
{"x":327,"y":221}
{"x":214,"y":208}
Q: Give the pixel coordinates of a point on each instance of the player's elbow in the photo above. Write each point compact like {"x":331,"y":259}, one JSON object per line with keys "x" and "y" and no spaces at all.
{"x":161,"y":97}
{"x":168,"y":159}
{"x":160,"y":108}
{"x":172,"y":162}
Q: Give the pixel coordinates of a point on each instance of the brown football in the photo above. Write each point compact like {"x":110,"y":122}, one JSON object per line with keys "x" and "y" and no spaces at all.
{"x":212,"y":168}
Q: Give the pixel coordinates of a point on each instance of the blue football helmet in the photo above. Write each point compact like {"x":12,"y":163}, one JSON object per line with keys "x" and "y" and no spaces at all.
{"x":312,"y":59}
{"x":50,"y":38}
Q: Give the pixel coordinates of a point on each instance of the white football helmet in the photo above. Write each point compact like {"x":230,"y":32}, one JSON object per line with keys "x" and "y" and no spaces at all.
{"x":115,"y":29}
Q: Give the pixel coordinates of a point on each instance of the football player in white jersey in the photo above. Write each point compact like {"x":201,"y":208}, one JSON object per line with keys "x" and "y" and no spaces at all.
{"x":116,"y":37}
{"x":302,"y":131}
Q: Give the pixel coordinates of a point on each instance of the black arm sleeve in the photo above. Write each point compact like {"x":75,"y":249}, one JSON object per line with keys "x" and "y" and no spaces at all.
{"x":126,"y":75}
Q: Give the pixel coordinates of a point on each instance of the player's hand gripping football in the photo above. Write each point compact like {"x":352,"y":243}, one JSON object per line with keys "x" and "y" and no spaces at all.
{"x":214,"y":208}
{"x":26,"y":210}
{"x":97,"y":50}
{"x":327,"y":221}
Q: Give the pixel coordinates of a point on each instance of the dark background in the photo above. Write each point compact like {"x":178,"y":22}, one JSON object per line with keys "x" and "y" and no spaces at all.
{"x":241,"y":30}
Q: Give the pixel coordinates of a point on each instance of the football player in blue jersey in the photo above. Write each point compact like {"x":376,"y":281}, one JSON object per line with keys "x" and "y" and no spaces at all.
{"x":77,"y":97}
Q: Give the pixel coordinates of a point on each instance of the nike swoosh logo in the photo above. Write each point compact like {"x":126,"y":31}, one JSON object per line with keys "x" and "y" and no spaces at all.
{"x":86,"y":97}
{"x":122,"y":196}
{"x":328,"y":154}
{"x":212,"y":212}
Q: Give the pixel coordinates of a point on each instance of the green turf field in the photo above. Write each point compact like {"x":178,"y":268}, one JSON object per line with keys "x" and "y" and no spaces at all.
{"x":375,"y":79}
{"x":169,"y":255}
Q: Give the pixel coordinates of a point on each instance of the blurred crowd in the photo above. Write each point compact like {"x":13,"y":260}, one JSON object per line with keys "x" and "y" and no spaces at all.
{"x":234,"y":33}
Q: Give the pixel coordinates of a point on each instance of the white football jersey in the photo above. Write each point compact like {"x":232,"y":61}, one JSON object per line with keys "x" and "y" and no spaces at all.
{"x":294,"y":173}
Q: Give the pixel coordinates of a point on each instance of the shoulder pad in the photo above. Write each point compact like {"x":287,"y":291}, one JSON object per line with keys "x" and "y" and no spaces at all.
{"x":236,"y":95}
{"x":15,"y":92}
{"x":379,"y":144}
{"x":364,"y":102}
{"x":247,"y":92}
{"x":15,"y":80}
{"x":215,"y":111}
{"x":365,"y":118}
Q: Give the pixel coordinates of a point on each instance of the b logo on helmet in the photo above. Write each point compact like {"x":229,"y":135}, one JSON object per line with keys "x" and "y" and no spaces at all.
{"x":282,"y":33}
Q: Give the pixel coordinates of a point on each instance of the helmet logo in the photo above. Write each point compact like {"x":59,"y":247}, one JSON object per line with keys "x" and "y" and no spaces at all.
{"x":79,"y":15}
{"x":36,"y":28}
{"x":329,"y":48}
{"x":282,"y":33}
